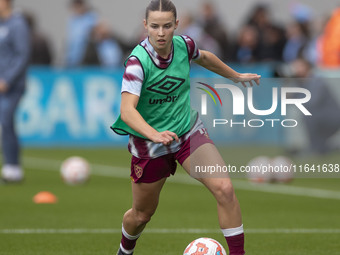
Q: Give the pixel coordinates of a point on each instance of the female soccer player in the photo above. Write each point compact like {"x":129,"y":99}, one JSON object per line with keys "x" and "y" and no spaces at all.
{"x":156,"y":113}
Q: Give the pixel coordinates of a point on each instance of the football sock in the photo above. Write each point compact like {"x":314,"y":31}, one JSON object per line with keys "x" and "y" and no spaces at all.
{"x":128,"y":242}
{"x":235,"y":240}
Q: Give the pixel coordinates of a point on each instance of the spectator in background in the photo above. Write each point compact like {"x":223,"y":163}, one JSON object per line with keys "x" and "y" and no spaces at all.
{"x":102,"y":48}
{"x":297,"y":39}
{"x":213,"y":27}
{"x":272,"y":45}
{"x":40,"y":45}
{"x":259,"y":17}
{"x":15,"y":54}
{"x":190,"y":27}
{"x":324,"y":122}
{"x":271,"y":38}
{"x":246,"y":45}
{"x":312,"y":49}
{"x":311,"y":27}
{"x":303,"y":15}
{"x":330,"y":42}
{"x":82,"y":21}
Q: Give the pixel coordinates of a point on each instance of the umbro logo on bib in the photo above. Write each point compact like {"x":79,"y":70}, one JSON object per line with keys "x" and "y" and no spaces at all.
{"x":167,"y":85}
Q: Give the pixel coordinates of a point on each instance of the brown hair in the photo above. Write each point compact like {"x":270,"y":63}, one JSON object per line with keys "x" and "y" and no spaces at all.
{"x":161,"y":5}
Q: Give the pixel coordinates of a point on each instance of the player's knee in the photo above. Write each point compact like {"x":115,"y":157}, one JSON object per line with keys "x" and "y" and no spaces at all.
{"x":224,"y":192}
{"x":144,"y":217}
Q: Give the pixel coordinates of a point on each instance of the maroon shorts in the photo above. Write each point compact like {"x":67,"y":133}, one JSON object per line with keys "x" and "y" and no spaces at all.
{"x":152,"y":170}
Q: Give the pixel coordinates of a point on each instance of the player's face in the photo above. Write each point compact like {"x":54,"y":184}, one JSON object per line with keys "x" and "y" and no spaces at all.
{"x":161,"y":27}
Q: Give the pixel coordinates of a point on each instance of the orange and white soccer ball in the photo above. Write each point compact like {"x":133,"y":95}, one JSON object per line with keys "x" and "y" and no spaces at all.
{"x":75,"y":170}
{"x":204,"y":246}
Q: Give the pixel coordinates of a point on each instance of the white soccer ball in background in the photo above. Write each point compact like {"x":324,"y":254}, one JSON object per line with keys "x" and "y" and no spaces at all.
{"x":75,"y":170}
{"x":206,"y":246}
{"x":256,"y":171}
{"x":286,"y":165}
{"x":263,"y":169}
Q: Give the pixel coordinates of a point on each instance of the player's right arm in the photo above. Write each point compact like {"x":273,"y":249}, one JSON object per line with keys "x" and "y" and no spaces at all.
{"x":133,"y":119}
{"x":131,"y":89}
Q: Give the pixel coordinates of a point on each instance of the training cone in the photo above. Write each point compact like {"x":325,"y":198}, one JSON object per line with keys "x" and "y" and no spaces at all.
{"x":45,"y":197}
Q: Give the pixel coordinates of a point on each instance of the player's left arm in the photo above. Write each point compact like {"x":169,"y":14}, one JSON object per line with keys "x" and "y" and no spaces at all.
{"x":211,"y":62}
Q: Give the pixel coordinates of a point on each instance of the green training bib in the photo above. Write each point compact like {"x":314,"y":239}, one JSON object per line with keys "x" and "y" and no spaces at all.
{"x":164,"y":102}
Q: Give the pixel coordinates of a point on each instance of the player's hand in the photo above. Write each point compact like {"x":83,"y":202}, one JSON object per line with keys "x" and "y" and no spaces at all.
{"x":165,"y":137}
{"x":3,"y":86}
{"x":247,"y":77}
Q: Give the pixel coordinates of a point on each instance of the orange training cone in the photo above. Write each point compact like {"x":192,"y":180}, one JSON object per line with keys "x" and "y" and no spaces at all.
{"x":45,"y":197}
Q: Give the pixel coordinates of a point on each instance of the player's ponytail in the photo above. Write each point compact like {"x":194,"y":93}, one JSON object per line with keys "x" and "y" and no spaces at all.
{"x":161,"y":5}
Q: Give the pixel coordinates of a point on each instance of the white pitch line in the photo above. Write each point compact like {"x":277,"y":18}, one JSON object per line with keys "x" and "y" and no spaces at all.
{"x":122,"y":172}
{"x":167,"y":231}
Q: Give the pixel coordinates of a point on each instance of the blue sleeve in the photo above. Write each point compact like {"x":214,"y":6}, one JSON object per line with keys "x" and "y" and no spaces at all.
{"x":21,"y":43}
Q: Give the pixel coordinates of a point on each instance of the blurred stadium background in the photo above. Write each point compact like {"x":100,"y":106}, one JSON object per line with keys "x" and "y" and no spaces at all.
{"x":125,"y":16}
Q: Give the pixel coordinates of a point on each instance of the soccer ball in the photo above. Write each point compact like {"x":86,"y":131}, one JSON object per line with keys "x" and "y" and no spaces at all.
{"x":285,"y":165}
{"x":204,"y":246}
{"x":255,"y":169}
{"x":75,"y":170}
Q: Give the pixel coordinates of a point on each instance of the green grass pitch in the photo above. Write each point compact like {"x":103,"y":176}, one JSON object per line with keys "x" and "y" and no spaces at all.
{"x":299,"y":218}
